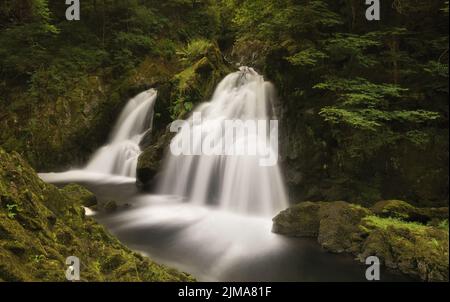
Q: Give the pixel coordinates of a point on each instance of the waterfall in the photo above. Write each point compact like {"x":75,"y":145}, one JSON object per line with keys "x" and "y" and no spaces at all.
{"x":237,"y":183}
{"x":120,"y":155}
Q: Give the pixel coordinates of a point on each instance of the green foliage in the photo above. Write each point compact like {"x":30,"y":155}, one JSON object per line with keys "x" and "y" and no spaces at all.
{"x":12,"y":210}
{"x":364,"y":105}
{"x":194,"y":51}
{"x":307,"y":57}
{"x":444,"y":224}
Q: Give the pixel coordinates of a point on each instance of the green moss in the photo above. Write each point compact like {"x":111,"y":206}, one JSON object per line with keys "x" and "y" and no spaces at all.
{"x":411,"y":247}
{"x":384,"y":223}
{"x":51,"y":226}
{"x":444,"y":225}
{"x":79,"y":193}
{"x":204,"y":68}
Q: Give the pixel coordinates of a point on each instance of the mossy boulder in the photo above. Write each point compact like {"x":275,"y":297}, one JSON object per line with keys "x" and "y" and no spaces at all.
{"x":333,"y":223}
{"x":80,"y":194}
{"x":301,"y":220}
{"x":412,"y":248}
{"x":402,"y":210}
{"x":338,"y":225}
{"x":41,"y":225}
{"x":397,"y":209}
{"x":204,"y":68}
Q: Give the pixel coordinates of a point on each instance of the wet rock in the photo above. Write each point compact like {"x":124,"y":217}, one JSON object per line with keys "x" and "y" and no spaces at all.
{"x":110,"y":206}
{"x":411,"y":248}
{"x":338,"y":224}
{"x":301,"y":220}
{"x":393,"y":231}
{"x":80,"y":193}
{"x":150,"y":161}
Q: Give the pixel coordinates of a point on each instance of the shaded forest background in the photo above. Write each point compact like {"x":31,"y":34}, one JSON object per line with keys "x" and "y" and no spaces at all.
{"x":363,"y":105}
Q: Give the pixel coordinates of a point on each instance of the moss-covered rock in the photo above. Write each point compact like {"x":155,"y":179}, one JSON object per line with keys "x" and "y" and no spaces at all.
{"x":53,"y":130}
{"x":338,"y":225}
{"x":300,"y":220}
{"x":41,"y":225}
{"x":402,"y":210}
{"x":110,"y":206}
{"x":397,"y":209}
{"x":203,"y":67}
{"x":80,"y":194}
{"x":412,"y":248}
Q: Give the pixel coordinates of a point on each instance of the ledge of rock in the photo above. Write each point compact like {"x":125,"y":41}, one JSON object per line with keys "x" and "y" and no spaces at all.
{"x":411,"y":240}
{"x":41,"y":225}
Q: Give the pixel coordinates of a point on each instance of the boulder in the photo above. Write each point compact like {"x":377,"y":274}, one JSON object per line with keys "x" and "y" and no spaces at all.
{"x":301,"y":220}
{"x":412,"y":248}
{"x":339,"y":224}
{"x":402,"y":210}
{"x":396,"y":234}
{"x":81,"y":194}
{"x":150,"y":161}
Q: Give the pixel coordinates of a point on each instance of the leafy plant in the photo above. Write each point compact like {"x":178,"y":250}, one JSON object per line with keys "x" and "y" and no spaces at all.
{"x":12,"y":210}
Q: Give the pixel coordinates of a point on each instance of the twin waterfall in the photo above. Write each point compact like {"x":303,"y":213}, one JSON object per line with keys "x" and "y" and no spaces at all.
{"x":238,"y":183}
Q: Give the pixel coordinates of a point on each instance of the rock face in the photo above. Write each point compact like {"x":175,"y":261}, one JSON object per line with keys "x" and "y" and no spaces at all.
{"x":41,"y":225}
{"x":182,"y":92}
{"x":392,"y":230}
{"x":150,"y":161}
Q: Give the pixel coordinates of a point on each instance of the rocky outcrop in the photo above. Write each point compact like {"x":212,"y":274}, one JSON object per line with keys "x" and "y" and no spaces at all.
{"x":41,"y":225}
{"x":203,"y":68}
{"x":414,"y":249}
{"x":392,"y":230}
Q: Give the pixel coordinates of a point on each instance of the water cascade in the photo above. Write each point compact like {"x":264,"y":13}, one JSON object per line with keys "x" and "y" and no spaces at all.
{"x":238,"y":183}
{"x":120,"y":155}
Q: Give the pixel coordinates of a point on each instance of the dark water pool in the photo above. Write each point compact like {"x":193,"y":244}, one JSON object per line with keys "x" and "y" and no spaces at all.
{"x":215,"y":245}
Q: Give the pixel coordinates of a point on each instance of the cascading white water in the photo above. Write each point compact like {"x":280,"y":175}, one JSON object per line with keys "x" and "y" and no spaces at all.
{"x":120,"y":155}
{"x":238,"y":183}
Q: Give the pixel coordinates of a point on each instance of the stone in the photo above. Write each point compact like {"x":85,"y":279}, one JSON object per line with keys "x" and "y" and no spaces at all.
{"x":339,"y":224}
{"x":301,"y":220}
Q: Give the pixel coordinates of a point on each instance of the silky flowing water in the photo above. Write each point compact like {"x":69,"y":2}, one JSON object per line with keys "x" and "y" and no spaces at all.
{"x":210,"y":214}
